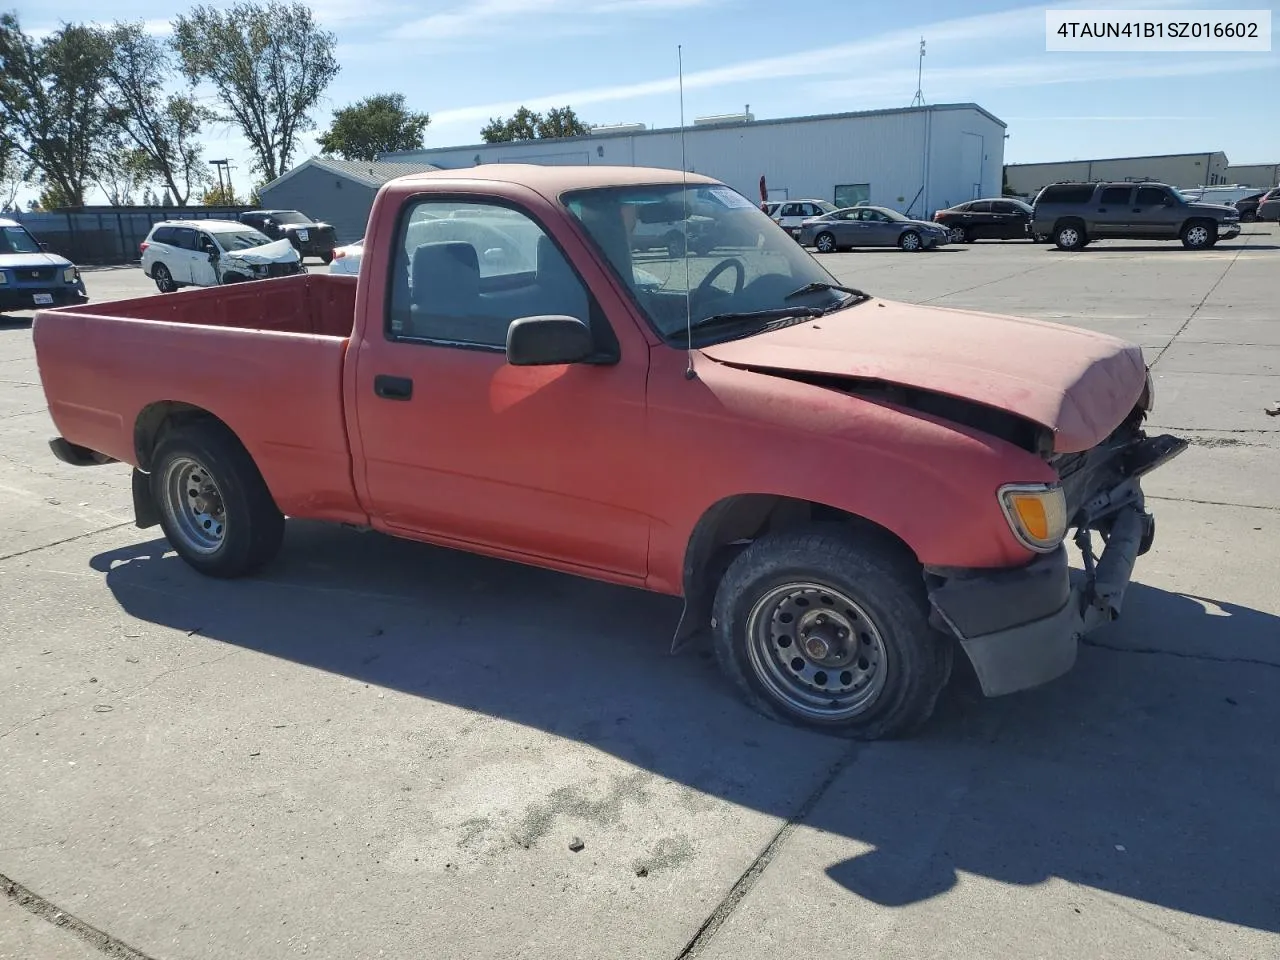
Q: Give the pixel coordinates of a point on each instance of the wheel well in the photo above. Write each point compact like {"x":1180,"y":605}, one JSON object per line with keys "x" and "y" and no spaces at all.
{"x":729,"y":525}
{"x":1068,"y":222}
{"x":157,"y":419}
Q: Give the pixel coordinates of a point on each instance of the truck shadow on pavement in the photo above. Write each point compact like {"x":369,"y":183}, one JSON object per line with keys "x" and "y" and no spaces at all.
{"x":1151,"y":776}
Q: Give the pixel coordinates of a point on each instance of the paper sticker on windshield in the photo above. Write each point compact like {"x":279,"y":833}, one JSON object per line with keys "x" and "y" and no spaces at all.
{"x":731,"y":198}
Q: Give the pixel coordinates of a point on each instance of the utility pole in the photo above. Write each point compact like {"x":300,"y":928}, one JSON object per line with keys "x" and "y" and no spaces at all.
{"x":225,"y":187}
{"x":918,"y":100}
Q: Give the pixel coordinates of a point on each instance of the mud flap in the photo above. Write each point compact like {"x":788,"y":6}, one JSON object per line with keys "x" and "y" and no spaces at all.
{"x":145,"y":513}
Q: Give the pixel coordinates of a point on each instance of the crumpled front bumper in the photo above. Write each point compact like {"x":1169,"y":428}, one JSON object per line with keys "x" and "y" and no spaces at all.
{"x":1021,"y":627}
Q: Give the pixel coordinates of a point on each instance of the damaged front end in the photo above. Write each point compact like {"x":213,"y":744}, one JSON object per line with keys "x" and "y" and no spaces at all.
{"x":1021,"y":627}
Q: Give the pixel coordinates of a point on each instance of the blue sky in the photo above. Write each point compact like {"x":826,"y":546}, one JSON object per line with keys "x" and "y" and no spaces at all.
{"x":614,"y":61}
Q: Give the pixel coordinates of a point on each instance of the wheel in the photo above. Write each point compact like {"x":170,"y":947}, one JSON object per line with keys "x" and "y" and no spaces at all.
{"x":327,"y":257}
{"x":215,"y":508}
{"x":1249,"y":217}
{"x":909,"y":241}
{"x":163,"y":278}
{"x":958,"y":235}
{"x":825,"y":242}
{"x":826,"y":628}
{"x":1069,"y":236}
{"x":1197,"y":235}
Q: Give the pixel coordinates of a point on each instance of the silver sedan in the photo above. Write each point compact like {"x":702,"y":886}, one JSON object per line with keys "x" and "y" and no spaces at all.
{"x":870,"y":227}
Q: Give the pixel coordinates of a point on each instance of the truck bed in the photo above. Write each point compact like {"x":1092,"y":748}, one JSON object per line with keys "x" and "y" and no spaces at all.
{"x":265,"y":357}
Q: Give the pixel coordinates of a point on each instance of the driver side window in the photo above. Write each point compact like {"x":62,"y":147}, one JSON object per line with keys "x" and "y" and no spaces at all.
{"x":463,"y":271}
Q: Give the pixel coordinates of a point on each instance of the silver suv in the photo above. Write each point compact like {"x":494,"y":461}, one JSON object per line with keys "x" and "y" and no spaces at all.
{"x":1076,"y":214}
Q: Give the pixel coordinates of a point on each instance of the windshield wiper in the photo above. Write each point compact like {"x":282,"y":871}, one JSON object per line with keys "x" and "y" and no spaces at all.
{"x":759,"y":316}
{"x":818,"y":286}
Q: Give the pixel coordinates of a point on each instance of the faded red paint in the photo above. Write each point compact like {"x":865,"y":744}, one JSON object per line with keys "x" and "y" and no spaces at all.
{"x":598,"y":470}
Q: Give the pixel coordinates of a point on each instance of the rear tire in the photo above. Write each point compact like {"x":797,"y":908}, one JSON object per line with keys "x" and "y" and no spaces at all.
{"x":215,"y":508}
{"x":828,"y":628}
{"x":163,"y":278}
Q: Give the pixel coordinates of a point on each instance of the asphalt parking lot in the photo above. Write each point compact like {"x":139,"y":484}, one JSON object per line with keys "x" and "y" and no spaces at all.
{"x":381,"y":749}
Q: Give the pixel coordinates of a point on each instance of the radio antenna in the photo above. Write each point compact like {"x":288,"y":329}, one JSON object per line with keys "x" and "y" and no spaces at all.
{"x":684,"y":193}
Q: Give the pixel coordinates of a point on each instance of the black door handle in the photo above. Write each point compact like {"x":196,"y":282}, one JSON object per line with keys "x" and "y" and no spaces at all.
{"x":392,"y":388}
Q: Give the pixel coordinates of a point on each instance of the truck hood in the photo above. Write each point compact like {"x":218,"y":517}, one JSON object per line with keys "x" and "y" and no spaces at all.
{"x":277,"y":251}
{"x":21,"y":261}
{"x":1217,"y":209}
{"x":1076,"y":383}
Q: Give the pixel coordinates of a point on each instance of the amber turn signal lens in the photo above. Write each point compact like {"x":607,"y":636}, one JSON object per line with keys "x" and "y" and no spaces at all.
{"x":1037,"y":514}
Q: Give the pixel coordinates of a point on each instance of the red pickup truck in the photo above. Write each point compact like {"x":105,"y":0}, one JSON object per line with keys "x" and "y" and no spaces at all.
{"x":841,"y":488}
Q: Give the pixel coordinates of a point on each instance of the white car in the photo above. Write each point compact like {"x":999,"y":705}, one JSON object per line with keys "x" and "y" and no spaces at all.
{"x":789,"y":214}
{"x":347,"y":259}
{"x":206,"y":253}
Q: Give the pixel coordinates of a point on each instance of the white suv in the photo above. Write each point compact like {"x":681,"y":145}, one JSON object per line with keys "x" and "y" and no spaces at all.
{"x":206,"y":253}
{"x":789,"y":214}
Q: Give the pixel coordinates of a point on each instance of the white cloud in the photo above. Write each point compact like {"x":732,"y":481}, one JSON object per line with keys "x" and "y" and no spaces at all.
{"x":490,"y":18}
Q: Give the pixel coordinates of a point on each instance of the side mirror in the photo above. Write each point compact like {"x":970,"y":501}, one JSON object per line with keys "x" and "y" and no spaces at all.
{"x":545,"y":341}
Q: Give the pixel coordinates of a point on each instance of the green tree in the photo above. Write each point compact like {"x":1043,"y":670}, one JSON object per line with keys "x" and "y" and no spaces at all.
{"x":121,"y":170}
{"x":374,"y":125}
{"x":526,"y":124}
{"x":268,"y":63}
{"x":50,"y":102}
{"x":561,"y":122}
{"x":523,"y":125}
{"x":54,"y":197}
{"x":15,"y":173}
{"x":219,"y":195}
{"x":164,"y":126}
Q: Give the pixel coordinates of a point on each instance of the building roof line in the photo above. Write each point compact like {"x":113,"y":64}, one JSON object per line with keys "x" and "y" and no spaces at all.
{"x":1150,"y":156}
{"x":391,"y":156}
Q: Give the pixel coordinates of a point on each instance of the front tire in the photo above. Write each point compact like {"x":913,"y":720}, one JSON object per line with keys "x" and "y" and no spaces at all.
{"x":1198,"y":235}
{"x":825,"y":242}
{"x":215,"y":508}
{"x":826,"y":629}
{"x":1069,"y":236}
{"x":910,"y":242}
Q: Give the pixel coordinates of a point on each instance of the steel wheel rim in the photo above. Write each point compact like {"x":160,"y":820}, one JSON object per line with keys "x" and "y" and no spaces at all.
{"x":194,"y":505}
{"x":910,"y":242}
{"x":817,"y":650}
{"x":826,"y":243}
{"x":1068,"y":237}
{"x":1198,"y":236}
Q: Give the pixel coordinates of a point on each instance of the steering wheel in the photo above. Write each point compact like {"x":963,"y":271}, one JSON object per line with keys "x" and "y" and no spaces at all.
{"x":704,"y":287}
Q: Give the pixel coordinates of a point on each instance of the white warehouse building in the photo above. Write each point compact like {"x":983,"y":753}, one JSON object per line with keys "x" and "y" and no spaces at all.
{"x":913,"y":159}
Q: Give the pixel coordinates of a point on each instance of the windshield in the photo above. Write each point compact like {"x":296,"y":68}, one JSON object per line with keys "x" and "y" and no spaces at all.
{"x":241,"y":239}
{"x":738,"y":260}
{"x":17,"y":240}
{"x":288,"y":216}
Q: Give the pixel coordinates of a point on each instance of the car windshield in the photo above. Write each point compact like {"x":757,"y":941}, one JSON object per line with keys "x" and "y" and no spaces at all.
{"x":17,"y":240}
{"x":241,"y":239}
{"x":288,"y":216}
{"x":738,"y":261}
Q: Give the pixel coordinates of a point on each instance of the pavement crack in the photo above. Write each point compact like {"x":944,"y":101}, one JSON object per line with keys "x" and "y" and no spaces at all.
{"x":1215,"y":503}
{"x":987,"y":283}
{"x":100,"y":940}
{"x":742,"y":886}
{"x":1179,"y":654}
{"x":1208,"y":293}
{"x":58,"y":543}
